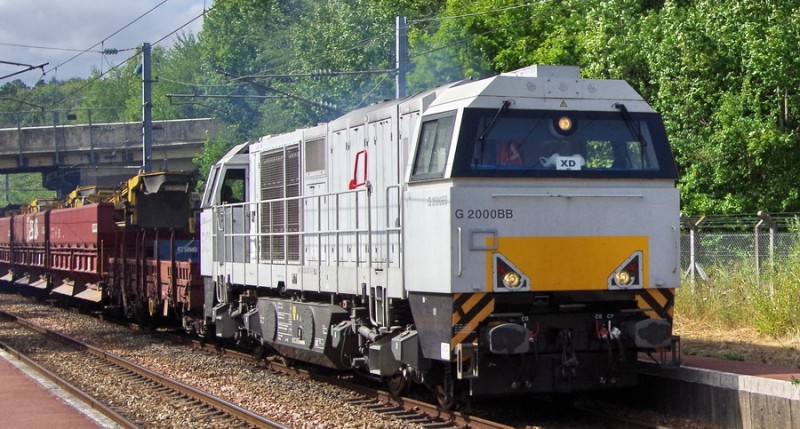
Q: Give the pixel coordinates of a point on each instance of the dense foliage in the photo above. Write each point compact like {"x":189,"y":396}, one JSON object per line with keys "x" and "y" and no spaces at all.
{"x":722,"y":73}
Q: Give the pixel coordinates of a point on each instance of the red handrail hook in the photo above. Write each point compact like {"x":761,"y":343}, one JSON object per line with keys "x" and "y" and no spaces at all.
{"x":354,"y":182}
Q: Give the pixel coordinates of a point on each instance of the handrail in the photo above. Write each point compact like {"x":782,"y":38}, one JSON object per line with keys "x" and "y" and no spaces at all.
{"x":389,"y":228}
{"x":349,"y":215}
{"x":277,"y":202}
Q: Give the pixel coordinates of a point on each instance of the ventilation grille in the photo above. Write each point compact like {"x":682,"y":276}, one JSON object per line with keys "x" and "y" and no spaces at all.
{"x":280,"y":210}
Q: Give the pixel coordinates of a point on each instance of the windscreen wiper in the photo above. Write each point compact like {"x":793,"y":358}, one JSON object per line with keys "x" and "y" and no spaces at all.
{"x":635,"y":131}
{"x":489,"y":126}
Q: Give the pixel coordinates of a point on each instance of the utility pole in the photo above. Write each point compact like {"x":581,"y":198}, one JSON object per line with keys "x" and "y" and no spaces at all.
{"x":147,"y":114}
{"x":401,"y":57}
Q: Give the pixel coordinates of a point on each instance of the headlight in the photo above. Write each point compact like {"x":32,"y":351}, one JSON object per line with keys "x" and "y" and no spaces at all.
{"x":512,"y":280}
{"x":629,"y":274}
{"x":623,"y":278}
{"x":507,"y":277}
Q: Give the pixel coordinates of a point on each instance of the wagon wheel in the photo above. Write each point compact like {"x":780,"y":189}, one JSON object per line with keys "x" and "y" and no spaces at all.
{"x":127,"y":306}
{"x":398,"y":384}
{"x":152,"y":306}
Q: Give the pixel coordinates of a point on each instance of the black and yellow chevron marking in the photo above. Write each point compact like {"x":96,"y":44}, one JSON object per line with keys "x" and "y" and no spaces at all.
{"x":469,"y":310}
{"x":657,"y":303}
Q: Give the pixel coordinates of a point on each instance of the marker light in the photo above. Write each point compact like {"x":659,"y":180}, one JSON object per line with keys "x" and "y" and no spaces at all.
{"x":511,"y":280}
{"x":564,"y":124}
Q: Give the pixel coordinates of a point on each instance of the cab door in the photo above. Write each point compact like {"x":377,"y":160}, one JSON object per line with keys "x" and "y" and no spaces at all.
{"x":224,"y":221}
{"x":231,"y":208}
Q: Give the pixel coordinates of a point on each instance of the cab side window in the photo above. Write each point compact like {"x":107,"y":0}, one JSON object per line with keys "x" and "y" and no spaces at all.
{"x":232,"y":190}
{"x":434,"y":145}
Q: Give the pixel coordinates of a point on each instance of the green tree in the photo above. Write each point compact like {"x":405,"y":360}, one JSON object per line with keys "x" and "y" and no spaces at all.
{"x":106,"y":97}
{"x":254,"y":46}
{"x":721,"y":73}
{"x":722,"y":80}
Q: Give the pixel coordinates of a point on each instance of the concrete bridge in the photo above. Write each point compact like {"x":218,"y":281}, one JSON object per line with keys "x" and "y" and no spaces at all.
{"x":101,"y":154}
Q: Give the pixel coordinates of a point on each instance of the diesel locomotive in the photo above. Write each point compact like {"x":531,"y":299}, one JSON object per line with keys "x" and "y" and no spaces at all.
{"x":515,"y":234}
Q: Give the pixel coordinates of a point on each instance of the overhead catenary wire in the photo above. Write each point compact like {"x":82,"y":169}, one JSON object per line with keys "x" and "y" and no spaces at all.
{"x":104,"y":51}
{"x":109,"y":36}
{"x":390,"y":33}
{"x":364,"y":43}
{"x":17,"y":45}
{"x":28,"y":67}
{"x":182,"y":26}
{"x":371,"y":40}
{"x":202,"y":85}
{"x":284,"y":93}
{"x":53,"y":48}
{"x":467,"y":39}
{"x":435,"y":49}
{"x":224,"y":96}
{"x":101,"y":75}
{"x":319,"y":74}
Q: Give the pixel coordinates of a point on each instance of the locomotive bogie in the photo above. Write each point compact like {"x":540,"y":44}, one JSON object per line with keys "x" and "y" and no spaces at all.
{"x":304,"y":331}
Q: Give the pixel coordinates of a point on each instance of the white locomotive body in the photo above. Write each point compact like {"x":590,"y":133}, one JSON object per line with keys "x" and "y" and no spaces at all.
{"x":513,"y":234}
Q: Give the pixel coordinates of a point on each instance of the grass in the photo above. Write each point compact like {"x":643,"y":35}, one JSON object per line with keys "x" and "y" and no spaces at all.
{"x":733,"y":356}
{"x":734,"y":297}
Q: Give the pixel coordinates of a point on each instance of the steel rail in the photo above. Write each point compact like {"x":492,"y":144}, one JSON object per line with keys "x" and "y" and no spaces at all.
{"x":380,"y":401}
{"x":70,"y":388}
{"x":210,"y":400}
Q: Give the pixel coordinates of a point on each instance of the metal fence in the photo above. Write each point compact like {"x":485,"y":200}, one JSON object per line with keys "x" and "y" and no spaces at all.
{"x":761,"y":240}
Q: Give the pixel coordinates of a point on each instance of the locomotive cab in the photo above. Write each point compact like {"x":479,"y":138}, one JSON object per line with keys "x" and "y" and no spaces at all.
{"x":556,"y":214}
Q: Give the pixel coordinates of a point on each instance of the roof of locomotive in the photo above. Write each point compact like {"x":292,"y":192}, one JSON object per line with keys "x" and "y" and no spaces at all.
{"x":374,"y":112}
{"x":542,"y":88}
{"x":535,"y":87}
{"x":383,"y":109}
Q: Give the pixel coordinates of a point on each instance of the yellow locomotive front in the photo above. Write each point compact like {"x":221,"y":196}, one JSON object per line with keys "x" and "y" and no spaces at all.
{"x":541,"y":234}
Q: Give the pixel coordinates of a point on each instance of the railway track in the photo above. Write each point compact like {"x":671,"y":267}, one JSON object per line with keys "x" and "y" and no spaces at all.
{"x":424,"y":414}
{"x":195,"y":407}
{"x":412,"y":412}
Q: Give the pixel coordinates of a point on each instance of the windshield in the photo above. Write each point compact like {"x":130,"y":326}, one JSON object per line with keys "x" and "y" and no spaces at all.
{"x":562,"y":144}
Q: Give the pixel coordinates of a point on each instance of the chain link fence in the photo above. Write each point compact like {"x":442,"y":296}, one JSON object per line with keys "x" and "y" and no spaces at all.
{"x":761,"y":239}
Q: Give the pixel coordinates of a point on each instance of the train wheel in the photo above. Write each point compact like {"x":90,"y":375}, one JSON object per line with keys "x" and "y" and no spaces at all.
{"x":259,"y":353}
{"x":398,"y":384}
{"x":445,"y":397}
{"x":202,"y":329}
{"x":188,"y":325}
{"x":285,"y":361}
